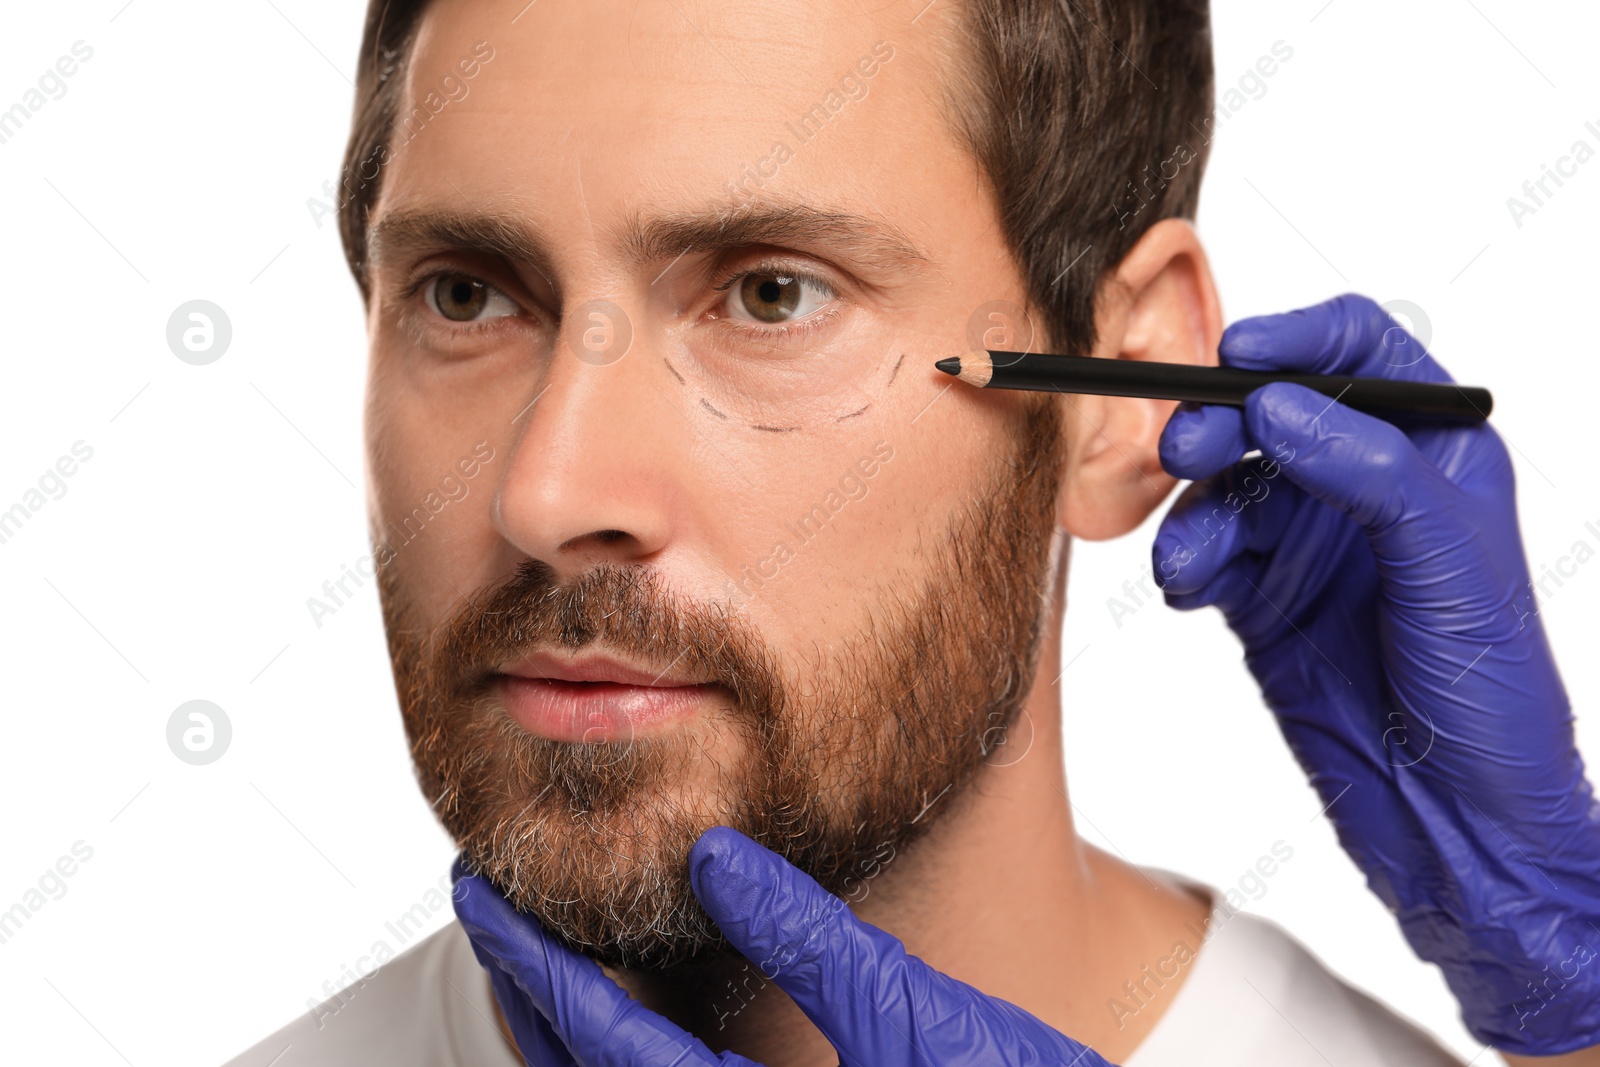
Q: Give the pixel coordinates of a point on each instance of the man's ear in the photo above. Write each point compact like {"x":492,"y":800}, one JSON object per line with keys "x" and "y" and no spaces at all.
{"x":1159,"y":305}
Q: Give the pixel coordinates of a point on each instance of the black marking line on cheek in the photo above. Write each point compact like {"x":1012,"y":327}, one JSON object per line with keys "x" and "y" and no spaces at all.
{"x":674,"y":371}
{"x":896,"y":370}
{"x":774,"y":429}
{"x":853,"y":414}
{"x":707,"y":405}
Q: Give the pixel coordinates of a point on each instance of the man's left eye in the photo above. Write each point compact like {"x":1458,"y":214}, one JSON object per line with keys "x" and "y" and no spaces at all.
{"x":463,"y":298}
{"x":773,"y":298}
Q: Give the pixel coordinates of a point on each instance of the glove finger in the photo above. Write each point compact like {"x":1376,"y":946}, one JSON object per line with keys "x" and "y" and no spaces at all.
{"x":877,"y":1004}
{"x":536,"y":1040}
{"x":593,"y":1017}
{"x":1349,"y":334}
{"x":1371,"y":471}
{"x":1243,"y":509}
{"x":1232,"y":590}
{"x":1200,"y":440}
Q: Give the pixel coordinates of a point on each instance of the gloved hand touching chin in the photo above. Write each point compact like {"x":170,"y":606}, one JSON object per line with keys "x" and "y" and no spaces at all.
{"x":1377,"y":580}
{"x":877,"y":1005}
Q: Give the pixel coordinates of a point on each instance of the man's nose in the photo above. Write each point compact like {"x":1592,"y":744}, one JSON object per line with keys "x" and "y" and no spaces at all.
{"x":598,"y":472}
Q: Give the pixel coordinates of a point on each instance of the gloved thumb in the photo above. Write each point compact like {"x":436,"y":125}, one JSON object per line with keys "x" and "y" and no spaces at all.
{"x":797,"y":933}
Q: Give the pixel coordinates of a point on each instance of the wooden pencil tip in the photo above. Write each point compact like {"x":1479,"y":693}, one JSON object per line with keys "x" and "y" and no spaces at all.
{"x":977,"y":367}
{"x":950,"y":365}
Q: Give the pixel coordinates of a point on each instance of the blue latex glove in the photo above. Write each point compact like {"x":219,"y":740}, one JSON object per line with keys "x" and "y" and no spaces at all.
{"x":1377,"y":581}
{"x":879,"y":1006}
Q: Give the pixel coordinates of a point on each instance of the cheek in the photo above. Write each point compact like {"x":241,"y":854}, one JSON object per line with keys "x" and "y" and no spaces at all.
{"x":836,"y":526}
{"x":415,"y":391}
{"x":424,"y":432}
{"x":844,"y":519}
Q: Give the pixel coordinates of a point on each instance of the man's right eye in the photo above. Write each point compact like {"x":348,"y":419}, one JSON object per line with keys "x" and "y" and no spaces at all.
{"x":463,"y":298}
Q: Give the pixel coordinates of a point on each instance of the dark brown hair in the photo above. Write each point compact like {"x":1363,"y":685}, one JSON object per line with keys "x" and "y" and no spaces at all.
{"x":1091,"y":119}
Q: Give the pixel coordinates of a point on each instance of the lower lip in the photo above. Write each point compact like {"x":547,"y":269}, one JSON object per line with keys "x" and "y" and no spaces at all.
{"x":596,"y":712}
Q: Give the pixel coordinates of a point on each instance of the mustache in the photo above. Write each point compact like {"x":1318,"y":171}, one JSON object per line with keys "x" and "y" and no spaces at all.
{"x":627,"y":609}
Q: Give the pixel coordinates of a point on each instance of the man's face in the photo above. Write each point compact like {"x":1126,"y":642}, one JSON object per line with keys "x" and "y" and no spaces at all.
{"x":678,"y":525}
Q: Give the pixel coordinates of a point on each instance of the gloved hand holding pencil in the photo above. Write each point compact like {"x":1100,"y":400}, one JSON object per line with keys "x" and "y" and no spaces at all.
{"x":1383,"y":599}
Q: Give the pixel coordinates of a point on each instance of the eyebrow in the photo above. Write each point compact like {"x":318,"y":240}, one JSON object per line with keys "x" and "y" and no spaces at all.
{"x":875,"y":244}
{"x":415,"y":231}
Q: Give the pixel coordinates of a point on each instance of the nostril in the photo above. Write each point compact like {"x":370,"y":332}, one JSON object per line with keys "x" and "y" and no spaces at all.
{"x":607,"y":542}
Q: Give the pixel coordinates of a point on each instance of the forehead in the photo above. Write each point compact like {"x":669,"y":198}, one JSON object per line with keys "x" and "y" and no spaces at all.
{"x":606,"y":108}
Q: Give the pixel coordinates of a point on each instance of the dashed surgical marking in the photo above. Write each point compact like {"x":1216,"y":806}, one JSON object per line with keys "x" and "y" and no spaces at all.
{"x":674,"y":371}
{"x":854,"y":413}
{"x":896,"y":370}
{"x":707,"y":405}
{"x":775,"y":429}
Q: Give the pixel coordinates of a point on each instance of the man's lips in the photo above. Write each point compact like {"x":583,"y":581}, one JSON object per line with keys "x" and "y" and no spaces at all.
{"x":597,"y":698}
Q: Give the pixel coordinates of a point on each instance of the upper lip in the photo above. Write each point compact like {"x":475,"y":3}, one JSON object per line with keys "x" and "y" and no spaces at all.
{"x":593,"y":668}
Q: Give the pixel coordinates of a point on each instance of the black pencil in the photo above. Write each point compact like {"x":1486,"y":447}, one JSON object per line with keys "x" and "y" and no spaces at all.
{"x":1229,"y":386}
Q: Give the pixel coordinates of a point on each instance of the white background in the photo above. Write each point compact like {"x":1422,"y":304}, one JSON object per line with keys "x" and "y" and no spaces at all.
{"x":178,"y":165}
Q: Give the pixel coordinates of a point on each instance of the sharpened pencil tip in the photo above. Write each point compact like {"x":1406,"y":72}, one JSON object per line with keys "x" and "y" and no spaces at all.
{"x":950,"y":365}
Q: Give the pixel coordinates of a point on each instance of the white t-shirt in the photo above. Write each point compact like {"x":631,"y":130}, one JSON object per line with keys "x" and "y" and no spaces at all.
{"x":1254,"y":996}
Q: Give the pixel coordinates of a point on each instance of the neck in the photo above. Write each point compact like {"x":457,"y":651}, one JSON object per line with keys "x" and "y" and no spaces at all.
{"x":1000,"y":893}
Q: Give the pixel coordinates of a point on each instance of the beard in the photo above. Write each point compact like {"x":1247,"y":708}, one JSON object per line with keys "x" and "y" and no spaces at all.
{"x":834,"y":769}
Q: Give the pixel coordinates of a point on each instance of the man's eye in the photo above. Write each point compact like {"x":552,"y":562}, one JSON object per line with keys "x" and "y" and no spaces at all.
{"x":463,"y":298}
{"x":775,"y":298}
